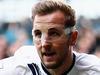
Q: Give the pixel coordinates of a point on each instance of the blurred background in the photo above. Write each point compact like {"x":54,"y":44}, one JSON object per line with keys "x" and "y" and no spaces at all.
{"x":16,"y":25}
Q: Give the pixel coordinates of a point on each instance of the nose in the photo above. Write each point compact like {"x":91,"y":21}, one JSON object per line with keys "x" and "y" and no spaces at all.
{"x":45,"y":41}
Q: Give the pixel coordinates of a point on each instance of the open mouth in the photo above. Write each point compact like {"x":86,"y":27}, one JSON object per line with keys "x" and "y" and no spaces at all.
{"x":49,"y":54}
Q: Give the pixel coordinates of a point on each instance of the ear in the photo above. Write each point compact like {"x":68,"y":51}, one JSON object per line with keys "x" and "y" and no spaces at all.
{"x":74,"y":35}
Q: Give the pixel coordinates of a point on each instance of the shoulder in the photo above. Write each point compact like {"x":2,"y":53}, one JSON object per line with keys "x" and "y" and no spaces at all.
{"x":87,"y":62}
{"x":5,"y":62}
{"x":17,"y":64}
{"x":86,"y":58}
{"x":27,"y":52}
{"x":10,"y":65}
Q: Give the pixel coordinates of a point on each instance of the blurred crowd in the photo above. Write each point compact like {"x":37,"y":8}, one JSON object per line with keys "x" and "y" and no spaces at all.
{"x":16,"y":34}
{"x":89,"y":36}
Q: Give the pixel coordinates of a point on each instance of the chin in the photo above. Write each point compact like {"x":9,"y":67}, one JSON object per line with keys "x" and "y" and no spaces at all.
{"x":51,"y":65}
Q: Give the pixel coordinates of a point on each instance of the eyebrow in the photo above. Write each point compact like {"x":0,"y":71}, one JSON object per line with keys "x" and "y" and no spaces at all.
{"x":53,"y":29}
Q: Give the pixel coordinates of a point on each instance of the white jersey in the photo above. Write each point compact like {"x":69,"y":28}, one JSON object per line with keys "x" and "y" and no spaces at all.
{"x":27,"y":62}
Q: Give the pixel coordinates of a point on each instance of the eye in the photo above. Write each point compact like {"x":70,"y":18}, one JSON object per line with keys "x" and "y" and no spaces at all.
{"x":37,"y":33}
{"x":54,"y":33}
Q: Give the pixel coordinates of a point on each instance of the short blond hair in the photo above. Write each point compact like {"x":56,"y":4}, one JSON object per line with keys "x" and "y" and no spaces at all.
{"x":48,"y":6}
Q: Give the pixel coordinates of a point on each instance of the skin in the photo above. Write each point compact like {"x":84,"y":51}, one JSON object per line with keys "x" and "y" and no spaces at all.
{"x":52,"y":43}
{"x":3,"y":47}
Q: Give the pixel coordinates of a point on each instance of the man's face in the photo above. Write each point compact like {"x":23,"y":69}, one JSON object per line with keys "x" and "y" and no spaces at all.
{"x":50,"y":39}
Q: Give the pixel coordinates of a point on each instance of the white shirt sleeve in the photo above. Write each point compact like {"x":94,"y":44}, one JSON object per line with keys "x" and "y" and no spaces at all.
{"x":87,"y":64}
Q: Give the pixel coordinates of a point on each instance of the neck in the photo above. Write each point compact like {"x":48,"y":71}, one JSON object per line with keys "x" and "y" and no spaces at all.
{"x":65,"y":66}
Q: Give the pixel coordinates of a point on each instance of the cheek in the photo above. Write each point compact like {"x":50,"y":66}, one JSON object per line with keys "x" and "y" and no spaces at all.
{"x":36,"y":42}
{"x":38,"y":47}
{"x":61,"y":47}
{"x":62,"y":43}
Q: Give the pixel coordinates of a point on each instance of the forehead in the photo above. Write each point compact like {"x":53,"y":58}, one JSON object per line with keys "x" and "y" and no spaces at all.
{"x":56,"y":18}
{"x":47,"y":26}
